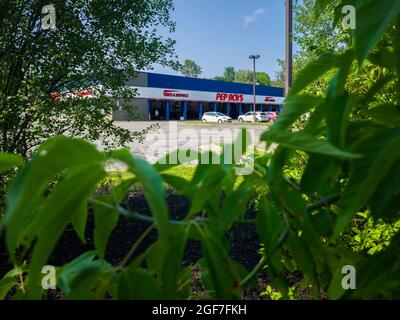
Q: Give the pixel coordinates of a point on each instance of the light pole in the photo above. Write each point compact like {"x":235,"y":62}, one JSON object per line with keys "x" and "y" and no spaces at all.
{"x":254,"y":57}
{"x":289,"y":46}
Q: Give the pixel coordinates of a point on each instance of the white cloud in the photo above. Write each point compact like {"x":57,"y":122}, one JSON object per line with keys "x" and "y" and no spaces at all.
{"x":259,"y":12}
{"x":253,"y":18}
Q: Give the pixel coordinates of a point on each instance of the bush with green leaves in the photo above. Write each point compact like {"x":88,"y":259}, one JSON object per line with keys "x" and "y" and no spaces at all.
{"x":350,"y":145}
{"x":367,"y":235}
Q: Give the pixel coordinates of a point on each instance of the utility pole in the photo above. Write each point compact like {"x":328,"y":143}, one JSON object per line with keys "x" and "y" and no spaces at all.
{"x":289,"y":46}
{"x":254,"y":57}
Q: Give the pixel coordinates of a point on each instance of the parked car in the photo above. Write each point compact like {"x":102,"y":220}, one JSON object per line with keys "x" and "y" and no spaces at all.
{"x":272,"y":115}
{"x":215,"y":117}
{"x":249,"y":117}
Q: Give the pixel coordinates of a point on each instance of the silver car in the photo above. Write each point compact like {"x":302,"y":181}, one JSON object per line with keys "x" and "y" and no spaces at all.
{"x":215,"y":117}
{"x":249,"y":117}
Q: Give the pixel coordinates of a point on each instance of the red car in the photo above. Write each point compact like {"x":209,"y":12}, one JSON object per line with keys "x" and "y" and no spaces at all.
{"x":272,"y":116}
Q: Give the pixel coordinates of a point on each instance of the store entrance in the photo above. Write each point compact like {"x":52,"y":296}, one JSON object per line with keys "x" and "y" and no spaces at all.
{"x":176,"y":110}
{"x":156,"y":110}
{"x":234,"y":112}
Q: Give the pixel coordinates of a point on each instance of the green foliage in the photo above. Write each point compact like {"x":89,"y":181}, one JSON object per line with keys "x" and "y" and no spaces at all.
{"x":91,"y":40}
{"x":9,"y":161}
{"x":229,"y":74}
{"x":189,"y":68}
{"x":342,"y":160}
{"x":245,"y":76}
{"x":275,"y":294}
{"x":366,"y":235}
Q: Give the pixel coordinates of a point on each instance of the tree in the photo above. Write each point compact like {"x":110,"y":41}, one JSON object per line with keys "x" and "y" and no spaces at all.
{"x":280,"y":76}
{"x":219,"y":78}
{"x":246,"y":76}
{"x":94,"y":43}
{"x":190,"y":68}
{"x":316,"y":34}
{"x":263,"y":79}
{"x":229,"y":74}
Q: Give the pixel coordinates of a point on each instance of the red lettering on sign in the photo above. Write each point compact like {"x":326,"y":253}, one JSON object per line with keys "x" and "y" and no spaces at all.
{"x":231,"y":97}
{"x":175,"y":93}
{"x":269,"y":99}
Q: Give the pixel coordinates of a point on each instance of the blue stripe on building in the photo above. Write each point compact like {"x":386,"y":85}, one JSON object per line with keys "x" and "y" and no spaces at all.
{"x":156,"y":80}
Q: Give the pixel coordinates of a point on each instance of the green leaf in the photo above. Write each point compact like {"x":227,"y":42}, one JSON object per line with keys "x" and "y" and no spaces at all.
{"x":211,"y":185}
{"x":303,"y":256}
{"x":26,"y":192}
{"x":316,"y":121}
{"x":384,"y":202}
{"x":313,"y":71}
{"x":337,"y":119}
{"x":234,"y":207}
{"x":224,"y":280}
{"x":339,"y":103}
{"x":294,"y":107}
{"x":388,"y":114}
{"x":86,"y":278}
{"x":138,"y":284}
{"x":376,"y":87}
{"x":6,"y":284}
{"x":91,"y":282}
{"x":380,"y":152}
{"x":55,"y":214}
{"x":9,"y":161}
{"x":105,"y":217}
{"x":165,"y":258}
{"x":328,"y":170}
{"x":385,"y":57}
{"x":373,"y":18}
{"x":178,"y":183}
{"x":173,"y":255}
{"x":270,"y":227}
{"x":377,"y":276}
{"x":153,"y":188}
{"x":323,"y":222}
{"x":320,"y":7}
{"x":185,"y":283}
{"x":79,"y":219}
{"x":72,"y":269}
{"x":12,"y":279}
{"x":305,"y":142}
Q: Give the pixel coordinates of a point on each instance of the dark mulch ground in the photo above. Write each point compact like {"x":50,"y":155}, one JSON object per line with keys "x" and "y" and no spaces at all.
{"x":243,"y":239}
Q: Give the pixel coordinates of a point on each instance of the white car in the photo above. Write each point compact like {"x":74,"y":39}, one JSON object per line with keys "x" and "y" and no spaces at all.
{"x":215,"y":117}
{"x":249,"y":117}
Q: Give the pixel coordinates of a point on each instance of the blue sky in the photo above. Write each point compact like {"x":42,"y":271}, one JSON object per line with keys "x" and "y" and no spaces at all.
{"x":220,"y":33}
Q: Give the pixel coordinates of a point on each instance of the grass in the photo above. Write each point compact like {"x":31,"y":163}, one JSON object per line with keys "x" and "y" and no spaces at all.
{"x":186,"y":172}
{"x":183,"y":171}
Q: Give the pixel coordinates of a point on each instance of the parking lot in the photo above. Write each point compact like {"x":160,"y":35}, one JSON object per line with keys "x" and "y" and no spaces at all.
{"x":177,"y":135}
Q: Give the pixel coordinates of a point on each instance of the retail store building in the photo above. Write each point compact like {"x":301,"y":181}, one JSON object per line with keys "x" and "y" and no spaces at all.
{"x":168,"y":97}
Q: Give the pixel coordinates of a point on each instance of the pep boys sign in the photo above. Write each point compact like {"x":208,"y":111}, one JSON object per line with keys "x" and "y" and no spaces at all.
{"x":229,"y":97}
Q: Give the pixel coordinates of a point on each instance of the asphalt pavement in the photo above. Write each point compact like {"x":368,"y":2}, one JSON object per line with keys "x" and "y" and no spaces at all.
{"x":172,"y":135}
